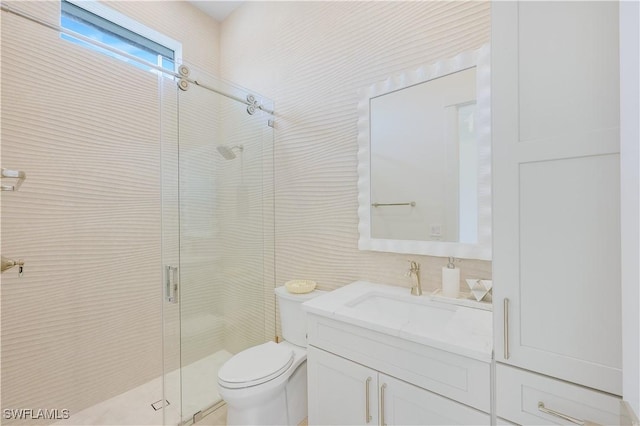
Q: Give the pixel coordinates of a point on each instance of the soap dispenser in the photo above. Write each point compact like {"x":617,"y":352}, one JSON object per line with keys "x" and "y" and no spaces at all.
{"x":450,"y":279}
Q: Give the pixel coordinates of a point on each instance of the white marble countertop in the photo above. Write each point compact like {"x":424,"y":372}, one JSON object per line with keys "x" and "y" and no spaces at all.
{"x":458,"y":329}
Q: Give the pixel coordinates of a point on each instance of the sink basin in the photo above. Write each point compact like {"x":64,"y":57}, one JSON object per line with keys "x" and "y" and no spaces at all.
{"x":389,"y":309}
{"x":394,"y":311}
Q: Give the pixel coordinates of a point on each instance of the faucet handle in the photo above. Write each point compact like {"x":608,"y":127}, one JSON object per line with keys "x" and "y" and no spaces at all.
{"x":414,"y":269}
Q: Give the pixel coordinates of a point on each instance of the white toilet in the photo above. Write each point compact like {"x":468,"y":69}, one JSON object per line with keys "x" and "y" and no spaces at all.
{"x":267,"y":384}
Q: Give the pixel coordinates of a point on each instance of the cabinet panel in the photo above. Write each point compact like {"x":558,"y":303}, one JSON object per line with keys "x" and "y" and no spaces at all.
{"x":453,"y":376}
{"x":337,"y":390}
{"x":556,"y":190}
{"x":519,"y":392}
{"x":569,"y":236}
{"x":568,"y":63}
{"x":405,"y":404}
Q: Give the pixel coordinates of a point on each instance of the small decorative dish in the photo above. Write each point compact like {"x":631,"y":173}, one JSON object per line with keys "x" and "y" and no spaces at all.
{"x":300,"y":286}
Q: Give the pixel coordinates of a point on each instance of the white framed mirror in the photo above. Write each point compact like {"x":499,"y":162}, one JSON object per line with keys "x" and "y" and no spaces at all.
{"x":424,"y":160}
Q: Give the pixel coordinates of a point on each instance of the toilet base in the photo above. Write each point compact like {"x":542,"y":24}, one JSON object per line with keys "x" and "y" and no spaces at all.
{"x":282,"y":406}
{"x":297,"y":403}
{"x":272,"y":412}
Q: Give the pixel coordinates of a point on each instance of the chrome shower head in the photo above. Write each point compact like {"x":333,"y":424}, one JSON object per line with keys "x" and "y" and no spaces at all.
{"x":227,"y":152}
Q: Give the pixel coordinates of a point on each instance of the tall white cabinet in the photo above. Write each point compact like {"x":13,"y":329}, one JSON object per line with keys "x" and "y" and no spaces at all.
{"x":556,"y":195}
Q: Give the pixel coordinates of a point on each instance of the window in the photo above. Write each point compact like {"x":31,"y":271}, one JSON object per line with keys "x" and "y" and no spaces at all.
{"x":100,"y":23}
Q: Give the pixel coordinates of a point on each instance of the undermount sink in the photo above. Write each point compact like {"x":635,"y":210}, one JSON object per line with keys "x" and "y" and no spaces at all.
{"x":386,"y":308}
{"x":394,"y":311}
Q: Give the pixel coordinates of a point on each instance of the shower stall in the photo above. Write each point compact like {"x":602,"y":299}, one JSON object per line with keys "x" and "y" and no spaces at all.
{"x":142,"y":233}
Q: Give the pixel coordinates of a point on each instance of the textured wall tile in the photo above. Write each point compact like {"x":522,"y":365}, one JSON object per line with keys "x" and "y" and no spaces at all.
{"x":311,"y":58}
{"x":85,"y":322}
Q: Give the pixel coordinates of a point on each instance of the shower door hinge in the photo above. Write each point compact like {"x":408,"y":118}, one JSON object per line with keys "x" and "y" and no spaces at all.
{"x":271,"y":122}
{"x":197,"y":417}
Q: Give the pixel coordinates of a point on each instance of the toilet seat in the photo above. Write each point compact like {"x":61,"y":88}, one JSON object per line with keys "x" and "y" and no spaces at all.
{"x":256,"y":365}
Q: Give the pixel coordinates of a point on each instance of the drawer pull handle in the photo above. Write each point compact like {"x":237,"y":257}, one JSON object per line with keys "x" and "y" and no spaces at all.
{"x":382,"y":388}
{"x":506,"y":328}
{"x":573,"y":420}
{"x":367,"y":414}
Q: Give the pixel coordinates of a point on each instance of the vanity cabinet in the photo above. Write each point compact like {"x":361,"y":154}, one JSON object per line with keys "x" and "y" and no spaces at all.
{"x":343,"y":392}
{"x":556,"y":198}
{"x":377,"y":355}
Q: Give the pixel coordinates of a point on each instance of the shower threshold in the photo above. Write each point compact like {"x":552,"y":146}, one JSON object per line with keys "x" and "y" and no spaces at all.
{"x":134,"y":407}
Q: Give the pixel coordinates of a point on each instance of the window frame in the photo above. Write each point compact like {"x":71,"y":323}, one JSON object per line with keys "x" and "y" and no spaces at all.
{"x":120,"y":19}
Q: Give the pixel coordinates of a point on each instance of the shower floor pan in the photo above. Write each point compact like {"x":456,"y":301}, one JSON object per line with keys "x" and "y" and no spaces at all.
{"x":134,"y":406}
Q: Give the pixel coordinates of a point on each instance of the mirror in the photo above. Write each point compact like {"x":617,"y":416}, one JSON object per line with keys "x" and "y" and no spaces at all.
{"x":425,"y":160}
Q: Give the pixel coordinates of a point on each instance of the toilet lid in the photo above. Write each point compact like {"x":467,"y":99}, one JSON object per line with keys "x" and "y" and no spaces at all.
{"x":255,"y":365}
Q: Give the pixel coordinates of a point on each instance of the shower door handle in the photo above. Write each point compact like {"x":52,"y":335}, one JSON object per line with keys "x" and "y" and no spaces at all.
{"x":171,"y":284}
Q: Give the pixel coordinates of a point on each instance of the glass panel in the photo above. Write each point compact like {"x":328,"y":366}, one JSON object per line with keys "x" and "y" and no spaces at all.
{"x":222,"y":235}
{"x":170,"y":250}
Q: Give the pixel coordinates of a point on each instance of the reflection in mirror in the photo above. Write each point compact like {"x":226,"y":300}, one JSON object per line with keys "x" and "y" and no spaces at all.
{"x":467,"y":185}
{"x":424,"y":160}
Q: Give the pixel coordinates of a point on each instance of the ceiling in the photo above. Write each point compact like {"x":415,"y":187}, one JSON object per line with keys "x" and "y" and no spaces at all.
{"x":218,"y":10}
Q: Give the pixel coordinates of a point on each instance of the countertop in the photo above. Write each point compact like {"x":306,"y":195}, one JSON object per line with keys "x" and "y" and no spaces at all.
{"x":464,"y":330}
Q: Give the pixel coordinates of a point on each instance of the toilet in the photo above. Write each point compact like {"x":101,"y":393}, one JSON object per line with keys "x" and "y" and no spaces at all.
{"x":267,"y":384}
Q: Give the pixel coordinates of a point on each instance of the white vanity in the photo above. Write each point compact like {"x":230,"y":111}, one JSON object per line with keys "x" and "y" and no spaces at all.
{"x":378,"y":355}
{"x":537,"y":192}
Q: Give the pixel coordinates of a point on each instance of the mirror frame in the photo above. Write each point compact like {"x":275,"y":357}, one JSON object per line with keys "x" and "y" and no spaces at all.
{"x":480,"y":59}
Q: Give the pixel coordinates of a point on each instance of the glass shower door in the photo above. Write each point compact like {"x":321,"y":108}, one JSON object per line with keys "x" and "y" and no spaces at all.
{"x":225,"y":171}
{"x":170,"y":289}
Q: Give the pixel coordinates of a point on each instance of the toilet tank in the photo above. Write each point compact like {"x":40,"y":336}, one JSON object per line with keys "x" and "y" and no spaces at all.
{"x":293,"y":319}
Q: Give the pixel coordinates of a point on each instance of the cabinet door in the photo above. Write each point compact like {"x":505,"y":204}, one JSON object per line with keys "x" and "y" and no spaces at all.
{"x":556,"y":195}
{"x":405,"y":404}
{"x":341,"y":392}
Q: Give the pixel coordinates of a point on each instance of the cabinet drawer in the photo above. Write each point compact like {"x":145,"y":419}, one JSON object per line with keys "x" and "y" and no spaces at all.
{"x":457,"y":377}
{"x":519,"y":393}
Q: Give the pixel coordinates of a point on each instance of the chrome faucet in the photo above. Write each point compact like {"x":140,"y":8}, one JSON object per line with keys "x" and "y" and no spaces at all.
{"x":414,"y":269}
